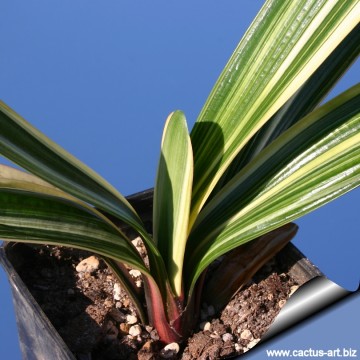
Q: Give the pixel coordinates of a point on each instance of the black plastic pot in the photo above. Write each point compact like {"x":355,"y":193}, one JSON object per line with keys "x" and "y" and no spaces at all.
{"x":38,"y":337}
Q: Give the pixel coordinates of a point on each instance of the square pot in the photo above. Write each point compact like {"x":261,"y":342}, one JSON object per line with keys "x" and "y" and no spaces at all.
{"x":39,"y":338}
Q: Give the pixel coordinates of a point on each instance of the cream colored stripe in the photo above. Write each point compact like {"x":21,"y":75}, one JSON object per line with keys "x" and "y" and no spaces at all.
{"x":261,"y":199}
{"x":348,"y":21}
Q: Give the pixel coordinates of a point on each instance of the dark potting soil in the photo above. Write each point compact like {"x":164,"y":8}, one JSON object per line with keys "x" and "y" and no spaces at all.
{"x":97,"y":320}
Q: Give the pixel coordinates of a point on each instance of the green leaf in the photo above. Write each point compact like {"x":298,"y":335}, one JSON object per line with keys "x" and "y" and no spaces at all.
{"x":286,"y":43}
{"x":26,"y":146}
{"x":27,"y":216}
{"x":300,"y":104}
{"x":172,"y":197}
{"x":14,"y":179}
{"x":39,"y":218}
{"x":29,"y":148}
{"x":312,"y":163}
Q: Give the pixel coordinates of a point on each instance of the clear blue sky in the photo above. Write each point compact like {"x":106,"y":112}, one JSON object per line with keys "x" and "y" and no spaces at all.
{"x":100,"y":79}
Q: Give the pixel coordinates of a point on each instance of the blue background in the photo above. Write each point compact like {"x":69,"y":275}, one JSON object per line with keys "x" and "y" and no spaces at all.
{"x":100,"y":78}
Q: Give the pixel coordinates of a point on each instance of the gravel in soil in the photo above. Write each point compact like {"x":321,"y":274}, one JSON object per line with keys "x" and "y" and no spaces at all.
{"x":97,"y":320}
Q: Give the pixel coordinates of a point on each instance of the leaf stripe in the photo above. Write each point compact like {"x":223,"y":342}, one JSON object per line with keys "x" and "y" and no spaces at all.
{"x":31,"y":217}
{"x":320,"y":151}
{"x":272,"y":83}
{"x":304,"y":101}
{"x":32,"y":150}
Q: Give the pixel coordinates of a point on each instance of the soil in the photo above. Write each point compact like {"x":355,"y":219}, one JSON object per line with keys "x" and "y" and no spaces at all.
{"x":97,"y":320}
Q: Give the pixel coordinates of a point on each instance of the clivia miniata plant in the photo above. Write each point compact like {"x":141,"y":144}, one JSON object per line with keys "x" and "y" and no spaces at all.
{"x":262,"y":153}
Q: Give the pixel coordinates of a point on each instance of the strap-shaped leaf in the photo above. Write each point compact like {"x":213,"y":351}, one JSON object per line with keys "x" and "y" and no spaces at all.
{"x":26,"y":146}
{"x":172,"y":196}
{"x":32,"y":217}
{"x":11,"y":178}
{"x":306,"y":99}
{"x":285,"y":44}
{"x":312,"y":163}
{"x":38,"y":218}
{"x":14,"y":179}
